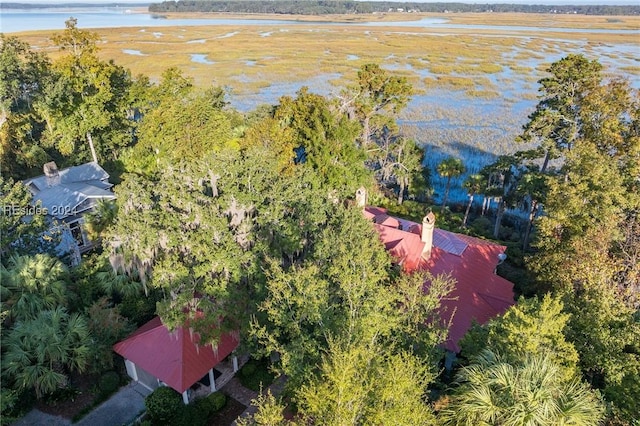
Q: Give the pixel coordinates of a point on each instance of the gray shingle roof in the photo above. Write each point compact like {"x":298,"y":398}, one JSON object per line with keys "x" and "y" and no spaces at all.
{"x":75,"y":185}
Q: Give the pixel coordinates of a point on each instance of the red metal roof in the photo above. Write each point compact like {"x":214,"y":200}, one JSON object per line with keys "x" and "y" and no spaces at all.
{"x":479,"y":293}
{"x":405,"y":247}
{"x":175,"y":358}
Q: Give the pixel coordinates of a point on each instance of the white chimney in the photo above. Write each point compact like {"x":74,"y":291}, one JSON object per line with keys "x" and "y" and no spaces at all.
{"x":428,"y":223}
{"x":361,"y":197}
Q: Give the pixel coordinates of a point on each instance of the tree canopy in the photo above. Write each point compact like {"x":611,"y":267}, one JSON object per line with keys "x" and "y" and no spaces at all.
{"x":246,"y":223}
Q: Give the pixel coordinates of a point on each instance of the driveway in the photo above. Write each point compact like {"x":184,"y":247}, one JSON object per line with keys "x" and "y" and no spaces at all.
{"x":122,"y":408}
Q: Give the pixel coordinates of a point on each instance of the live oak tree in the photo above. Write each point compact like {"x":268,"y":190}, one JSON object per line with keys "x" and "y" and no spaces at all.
{"x":23,"y":78}
{"x":180,"y":123}
{"x":85,"y":105}
{"x":324,"y":140}
{"x":267,"y":133}
{"x":183,"y":237}
{"x":377,"y":97}
{"x":198,"y":230}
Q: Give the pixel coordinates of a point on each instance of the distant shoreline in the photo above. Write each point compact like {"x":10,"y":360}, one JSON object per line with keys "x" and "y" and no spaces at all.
{"x":355,"y":10}
{"x":127,"y":16}
{"x":29,"y":6}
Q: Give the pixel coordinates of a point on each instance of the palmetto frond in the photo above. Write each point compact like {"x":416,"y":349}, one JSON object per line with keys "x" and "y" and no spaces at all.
{"x":532,"y":393}
{"x":33,"y":284}
{"x":39,"y":350}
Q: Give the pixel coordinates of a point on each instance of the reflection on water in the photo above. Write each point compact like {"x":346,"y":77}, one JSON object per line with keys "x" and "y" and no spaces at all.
{"x":15,"y":20}
{"x":201,"y":59}
{"x":133,"y":52}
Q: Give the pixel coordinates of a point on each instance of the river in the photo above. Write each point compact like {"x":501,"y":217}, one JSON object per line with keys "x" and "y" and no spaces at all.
{"x":18,"y":20}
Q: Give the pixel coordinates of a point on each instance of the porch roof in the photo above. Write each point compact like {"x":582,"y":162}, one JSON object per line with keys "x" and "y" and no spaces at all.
{"x":175,"y":357}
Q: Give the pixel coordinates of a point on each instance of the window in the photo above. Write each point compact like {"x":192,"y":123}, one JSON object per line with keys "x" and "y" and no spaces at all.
{"x":78,"y":233}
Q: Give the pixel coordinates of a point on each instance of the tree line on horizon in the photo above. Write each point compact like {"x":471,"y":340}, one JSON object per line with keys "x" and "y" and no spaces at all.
{"x":325,"y":7}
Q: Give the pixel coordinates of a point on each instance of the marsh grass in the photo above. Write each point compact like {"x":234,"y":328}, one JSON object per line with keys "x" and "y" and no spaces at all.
{"x":296,"y":53}
{"x":486,"y":94}
{"x":473,"y":88}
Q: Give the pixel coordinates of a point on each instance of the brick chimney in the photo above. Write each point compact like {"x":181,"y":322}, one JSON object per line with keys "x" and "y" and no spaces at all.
{"x":428,"y":223}
{"x":51,"y":173}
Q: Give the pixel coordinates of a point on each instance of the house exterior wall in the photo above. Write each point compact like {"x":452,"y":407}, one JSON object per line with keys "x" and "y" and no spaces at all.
{"x":131,"y":369}
{"x":141,"y":376}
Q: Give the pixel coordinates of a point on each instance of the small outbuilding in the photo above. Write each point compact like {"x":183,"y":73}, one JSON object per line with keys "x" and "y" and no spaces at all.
{"x":155,"y":356}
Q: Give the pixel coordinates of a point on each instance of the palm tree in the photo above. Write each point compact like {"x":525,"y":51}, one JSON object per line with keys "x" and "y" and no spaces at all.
{"x":501,"y":177}
{"x":32,"y":284}
{"x":113,"y":283}
{"x":493,"y":392}
{"x":40,"y":351}
{"x":473,"y":184}
{"x":449,"y":168}
{"x":104,"y":215}
{"x":532,"y":187}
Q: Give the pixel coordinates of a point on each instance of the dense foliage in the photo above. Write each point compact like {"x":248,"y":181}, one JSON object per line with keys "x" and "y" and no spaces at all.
{"x":245,"y":223}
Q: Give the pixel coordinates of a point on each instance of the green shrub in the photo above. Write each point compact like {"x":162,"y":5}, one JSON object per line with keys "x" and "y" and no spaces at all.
{"x":163,"y":405}
{"x":8,"y":400}
{"x":198,"y":413}
{"x":15,"y":404}
{"x":69,"y":393}
{"x":190,"y":415}
{"x":482,"y":226}
{"x":255,"y":374}
{"x":515,"y":255}
{"x":248,"y":370}
{"x":139,"y":310}
{"x":213,"y":402}
{"x":109,"y":383}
